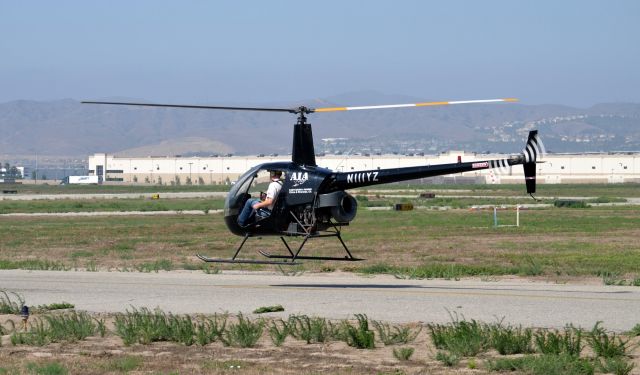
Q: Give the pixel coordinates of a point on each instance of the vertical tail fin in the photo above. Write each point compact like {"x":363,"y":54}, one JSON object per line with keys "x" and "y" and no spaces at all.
{"x":532,"y":152}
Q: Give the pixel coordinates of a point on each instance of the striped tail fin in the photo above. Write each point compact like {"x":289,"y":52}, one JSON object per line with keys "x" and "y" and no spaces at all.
{"x":533,"y":151}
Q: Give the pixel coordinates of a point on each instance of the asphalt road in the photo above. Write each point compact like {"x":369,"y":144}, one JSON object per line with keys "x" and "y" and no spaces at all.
{"x":334,"y":295}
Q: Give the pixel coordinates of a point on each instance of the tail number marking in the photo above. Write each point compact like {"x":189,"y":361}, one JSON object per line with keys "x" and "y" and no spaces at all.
{"x":356,"y":178}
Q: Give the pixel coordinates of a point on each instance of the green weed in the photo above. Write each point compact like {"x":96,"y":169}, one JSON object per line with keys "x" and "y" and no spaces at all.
{"x":34,"y":265}
{"x":606,"y":345}
{"x":531,"y":267}
{"x":158,"y":265}
{"x":53,"y":306}
{"x":568,"y":342}
{"x":53,"y":368}
{"x":391,"y":335}
{"x":124,"y":364}
{"x":461,"y":337}
{"x":448,"y":359}
{"x":38,"y":334}
{"x":10,"y":305}
{"x":617,"y":366}
{"x":210,"y":330}
{"x":312,"y":329}
{"x":101,"y":327}
{"x":142,"y":326}
{"x":635,"y":331}
{"x":511,"y":340}
{"x":181,"y":329}
{"x":403,"y":354}
{"x":268,"y":309}
{"x":91,"y":266}
{"x":69,"y":327}
{"x":279,"y":332}
{"x":361,"y":336}
{"x":568,"y":203}
{"x":244,"y":334}
{"x":546,"y":364}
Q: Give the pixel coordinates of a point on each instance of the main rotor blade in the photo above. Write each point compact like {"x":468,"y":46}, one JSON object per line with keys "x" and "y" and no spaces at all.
{"x":425,"y":104}
{"x":290,"y":110}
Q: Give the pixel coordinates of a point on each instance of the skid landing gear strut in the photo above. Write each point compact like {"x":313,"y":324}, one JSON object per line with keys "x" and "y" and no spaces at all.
{"x":287,"y":259}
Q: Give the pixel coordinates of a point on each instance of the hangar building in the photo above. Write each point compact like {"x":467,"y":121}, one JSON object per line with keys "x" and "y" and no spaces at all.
{"x":557,"y":168}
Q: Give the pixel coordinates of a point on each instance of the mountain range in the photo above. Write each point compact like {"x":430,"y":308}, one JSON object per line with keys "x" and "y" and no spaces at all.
{"x":69,"y":128}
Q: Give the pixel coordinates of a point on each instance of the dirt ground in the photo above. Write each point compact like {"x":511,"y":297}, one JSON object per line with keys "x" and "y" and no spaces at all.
{"x":108,"y":355}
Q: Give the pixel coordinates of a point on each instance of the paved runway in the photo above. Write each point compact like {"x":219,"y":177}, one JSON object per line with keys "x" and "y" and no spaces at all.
{"x":334,"y":295}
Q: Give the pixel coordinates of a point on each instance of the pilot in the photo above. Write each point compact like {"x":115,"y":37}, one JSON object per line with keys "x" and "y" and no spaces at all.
{"x":264,"y":204}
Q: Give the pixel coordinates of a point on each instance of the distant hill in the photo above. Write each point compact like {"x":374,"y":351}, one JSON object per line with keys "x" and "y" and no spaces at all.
{"x":189,"y":146}
{"x":68,"y":128}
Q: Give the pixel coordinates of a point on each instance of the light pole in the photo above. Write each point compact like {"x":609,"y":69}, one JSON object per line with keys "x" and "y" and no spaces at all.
{"x":190,"y":180}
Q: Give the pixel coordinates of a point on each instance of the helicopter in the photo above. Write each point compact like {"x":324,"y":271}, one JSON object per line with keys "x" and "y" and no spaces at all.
{"x":313,"y":201}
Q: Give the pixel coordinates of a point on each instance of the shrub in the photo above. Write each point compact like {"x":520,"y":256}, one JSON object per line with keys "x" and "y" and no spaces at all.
{"x":617,"y":366}
{"x":70,"y":327}
{"x":569,"y":203}
{"x":463,"y":338}
{"x":390,"y":335}
{"x":53,"y":368}
{"x":403,"y":354}
{"x":554,"y":342}
{"x":101,"y":326}
{"x":511,"y":340}
{"x":244,"y":334}
{"x":635,"y":331}
{"x":268,"y":309}
{"x":124,"y":364}
{"x":448,"y":359}
{"x":211,"y":329}
{"x":360,"y":337}
{"x":279,"y":332}
{"x":312,"y":330}
{"x":543,"y":365}
{"x":9,"y":305}
{"x":605,"y":345}
{"x":182,"y":329}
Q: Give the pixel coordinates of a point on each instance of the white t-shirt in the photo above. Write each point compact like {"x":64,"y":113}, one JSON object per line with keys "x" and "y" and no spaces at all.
{"x":272,"y":192}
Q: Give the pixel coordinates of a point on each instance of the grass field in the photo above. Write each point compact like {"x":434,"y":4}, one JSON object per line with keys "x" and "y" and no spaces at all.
{"x":86,"y":205}
{"x":109,"y":189}
{"x":551,"y":242}
{"x":556,"y":244}
{"x":550,"y":190}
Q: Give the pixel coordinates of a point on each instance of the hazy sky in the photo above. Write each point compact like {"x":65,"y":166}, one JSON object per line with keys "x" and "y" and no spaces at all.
{"x":565,"y":52}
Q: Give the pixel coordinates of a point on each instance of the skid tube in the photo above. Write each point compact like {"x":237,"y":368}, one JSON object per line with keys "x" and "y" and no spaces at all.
{"x":235,"y":259}
{"x":289,"y":259}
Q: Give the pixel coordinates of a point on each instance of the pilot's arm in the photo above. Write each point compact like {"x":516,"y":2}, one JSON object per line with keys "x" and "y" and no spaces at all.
{"x":265,"y":203}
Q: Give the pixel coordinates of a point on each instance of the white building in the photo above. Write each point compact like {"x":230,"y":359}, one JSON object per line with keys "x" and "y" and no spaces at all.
{"x":557,"y":168}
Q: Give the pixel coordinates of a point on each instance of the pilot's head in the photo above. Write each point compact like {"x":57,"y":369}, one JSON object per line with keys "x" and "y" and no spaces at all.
{"x":275,"y":174}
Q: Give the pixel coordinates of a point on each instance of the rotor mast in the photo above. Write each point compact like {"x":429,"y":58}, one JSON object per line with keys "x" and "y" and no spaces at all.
{"x":302,"y":151}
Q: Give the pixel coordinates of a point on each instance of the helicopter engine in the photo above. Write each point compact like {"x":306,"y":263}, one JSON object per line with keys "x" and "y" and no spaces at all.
{"x":342,"y":206}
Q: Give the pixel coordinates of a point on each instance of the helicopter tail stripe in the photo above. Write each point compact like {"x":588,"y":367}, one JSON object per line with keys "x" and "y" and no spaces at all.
{"x":425,"y":104}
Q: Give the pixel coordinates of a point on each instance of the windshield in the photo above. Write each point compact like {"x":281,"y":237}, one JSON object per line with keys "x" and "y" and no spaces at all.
{"x":237,"y":193}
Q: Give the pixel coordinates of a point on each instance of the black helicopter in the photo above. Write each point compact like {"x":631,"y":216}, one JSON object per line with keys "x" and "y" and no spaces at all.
{"x":313,"y":201}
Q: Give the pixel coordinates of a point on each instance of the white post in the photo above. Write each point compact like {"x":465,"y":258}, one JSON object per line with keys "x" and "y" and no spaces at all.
{"x":518,"y":215}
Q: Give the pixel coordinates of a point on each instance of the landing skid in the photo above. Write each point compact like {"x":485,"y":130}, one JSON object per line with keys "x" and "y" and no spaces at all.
{"x":274,"y":256}
{"x":288,"y":259}
{"x":241,"y":261}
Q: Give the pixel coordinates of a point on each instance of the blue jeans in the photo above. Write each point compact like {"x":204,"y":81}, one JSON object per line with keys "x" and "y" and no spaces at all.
{"x":247,"y":211}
